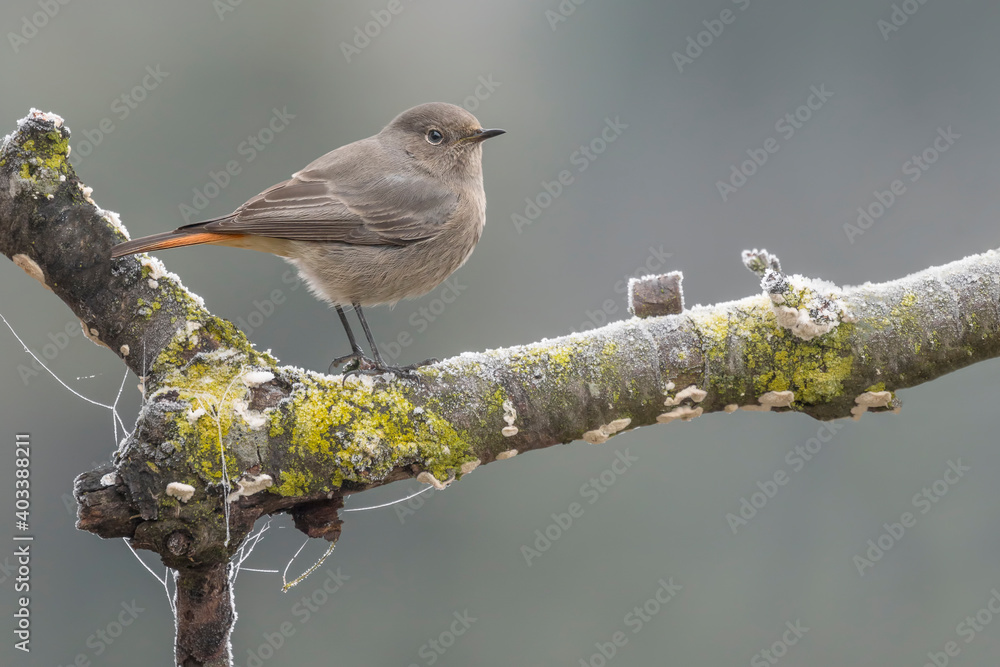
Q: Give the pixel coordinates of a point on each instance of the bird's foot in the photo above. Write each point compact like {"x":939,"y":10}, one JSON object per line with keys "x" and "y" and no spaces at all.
{"x":408,"y":372}
{"x":355,"y":361}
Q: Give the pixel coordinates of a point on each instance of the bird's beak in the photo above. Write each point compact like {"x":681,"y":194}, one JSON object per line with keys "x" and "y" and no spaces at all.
{"x":483,"y":135}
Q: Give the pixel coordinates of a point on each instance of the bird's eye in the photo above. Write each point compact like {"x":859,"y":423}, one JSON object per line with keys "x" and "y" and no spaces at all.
{"x":434,"y":137}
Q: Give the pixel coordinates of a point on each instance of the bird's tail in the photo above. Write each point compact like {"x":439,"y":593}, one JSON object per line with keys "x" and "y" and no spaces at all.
{"x":174,"y":239}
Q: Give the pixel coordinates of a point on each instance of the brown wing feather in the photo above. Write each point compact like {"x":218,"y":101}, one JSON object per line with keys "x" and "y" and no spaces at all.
{"x":325,"y":202}
{"x":346,"y":196}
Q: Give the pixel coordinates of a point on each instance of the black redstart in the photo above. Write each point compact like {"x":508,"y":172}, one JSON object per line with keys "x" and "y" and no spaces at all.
{"x":382,"y":219}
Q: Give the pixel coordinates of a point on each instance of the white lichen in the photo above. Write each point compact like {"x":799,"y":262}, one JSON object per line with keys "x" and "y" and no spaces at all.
{"x":820,"y":303}
{"x":874,"y":399}
{"x":93,"y":334}
{"x":427,"y":478}
{"x":509,"y":416}
{"x":183,"y":492}
{"x":801,"y":323}
{"x":509,"y":413}
{"x":115,"y":221}
{"x":683,"y":412}
{"x":619,"y":424}
{"x":156,"y":268}
{"x":777,"y":399}
{"x":110,"y":479}
{"x":871,"y":399}
{"x":253,"y":418}
{"x":250,"y":485}
{"x":87,"y":191}
{"x":38,"y":114}
{"x":693,"y":392}
{"x":157,"y":271}
{"x":30,"y":267}
{"x":257,"y":378}
{"x":601,"y":434}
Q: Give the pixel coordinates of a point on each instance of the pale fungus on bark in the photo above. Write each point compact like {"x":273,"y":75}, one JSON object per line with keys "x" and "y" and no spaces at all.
{"x":183,"y":492}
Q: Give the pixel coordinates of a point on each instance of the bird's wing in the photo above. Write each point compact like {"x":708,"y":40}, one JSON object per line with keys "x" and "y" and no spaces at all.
{"x":326,"y":202}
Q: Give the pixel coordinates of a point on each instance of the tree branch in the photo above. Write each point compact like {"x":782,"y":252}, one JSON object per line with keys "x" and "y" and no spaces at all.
{"x":226,"y":434}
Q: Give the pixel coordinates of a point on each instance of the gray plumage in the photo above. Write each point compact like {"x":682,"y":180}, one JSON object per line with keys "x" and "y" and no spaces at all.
{"x":382,"y":219}
{"x":379,"y":220}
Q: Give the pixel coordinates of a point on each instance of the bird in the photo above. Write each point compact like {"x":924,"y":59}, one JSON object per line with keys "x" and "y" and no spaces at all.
{"x":373,"y":222}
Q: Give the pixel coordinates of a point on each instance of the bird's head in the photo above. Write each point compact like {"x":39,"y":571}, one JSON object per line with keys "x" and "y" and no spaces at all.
{"x":443,"y":138}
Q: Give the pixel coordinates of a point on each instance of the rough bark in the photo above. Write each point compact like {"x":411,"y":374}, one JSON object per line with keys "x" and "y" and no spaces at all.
{"x":297,"y":441}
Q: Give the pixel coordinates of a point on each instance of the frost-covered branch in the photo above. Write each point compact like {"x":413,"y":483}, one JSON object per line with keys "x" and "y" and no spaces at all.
{"x":226,"y":434}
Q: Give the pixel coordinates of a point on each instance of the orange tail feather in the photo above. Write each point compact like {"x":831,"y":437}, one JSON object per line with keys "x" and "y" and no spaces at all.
{"x":175,"y":239}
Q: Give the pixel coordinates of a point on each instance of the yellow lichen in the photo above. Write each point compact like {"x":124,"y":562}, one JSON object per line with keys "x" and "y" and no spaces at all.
{"x":814,"y":370}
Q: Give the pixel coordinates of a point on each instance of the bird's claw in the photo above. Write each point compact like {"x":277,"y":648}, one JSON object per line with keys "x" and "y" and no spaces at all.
{"x":362,"y":365}
{"x":355,"y":361}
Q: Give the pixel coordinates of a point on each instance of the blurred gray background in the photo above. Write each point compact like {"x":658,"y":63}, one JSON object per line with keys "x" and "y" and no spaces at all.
{"x":222,"y":70}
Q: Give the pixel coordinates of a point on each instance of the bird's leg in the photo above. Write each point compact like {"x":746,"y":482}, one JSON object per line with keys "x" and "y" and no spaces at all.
{"x":380,"y":365}
{"x":357,"y":354}
{"x":368,"y":334}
